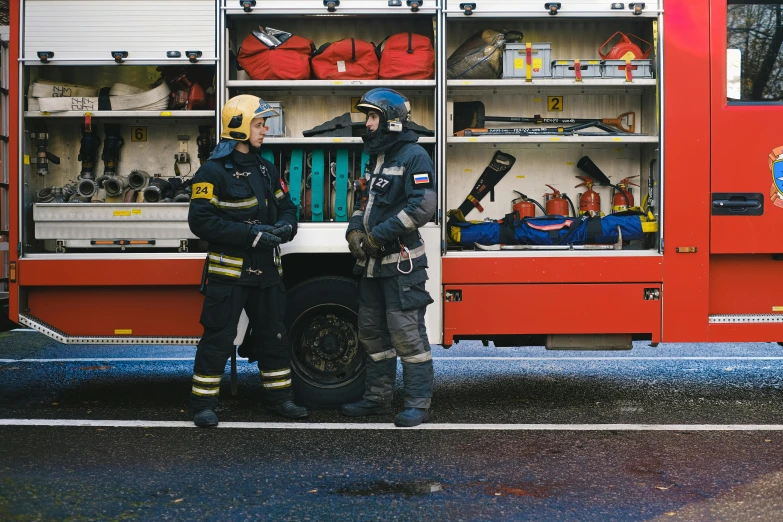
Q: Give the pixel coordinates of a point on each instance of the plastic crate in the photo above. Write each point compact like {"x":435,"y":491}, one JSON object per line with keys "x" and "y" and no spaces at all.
{"x":616,"y":69}
{"x":567,"y":69}
{"x":515,"y":60}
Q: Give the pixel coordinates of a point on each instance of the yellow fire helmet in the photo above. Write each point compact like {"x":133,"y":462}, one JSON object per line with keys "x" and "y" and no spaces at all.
{"x":239,"y":111}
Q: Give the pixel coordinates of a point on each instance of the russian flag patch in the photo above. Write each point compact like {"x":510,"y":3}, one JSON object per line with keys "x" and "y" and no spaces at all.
{"x":419,"y":179}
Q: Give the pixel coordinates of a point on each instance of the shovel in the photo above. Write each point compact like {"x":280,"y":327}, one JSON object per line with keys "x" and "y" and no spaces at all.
{"x":471,"y":115}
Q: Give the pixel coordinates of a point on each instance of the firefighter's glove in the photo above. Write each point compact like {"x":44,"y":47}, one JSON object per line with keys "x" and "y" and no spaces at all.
{"x":355,"y":239}
{"x":371,"y":246}
{"x":283,"y":230}
{"x":261,"y":236}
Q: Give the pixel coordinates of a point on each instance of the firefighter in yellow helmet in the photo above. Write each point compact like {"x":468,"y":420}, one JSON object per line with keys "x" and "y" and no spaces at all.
{"x":241,"y":207}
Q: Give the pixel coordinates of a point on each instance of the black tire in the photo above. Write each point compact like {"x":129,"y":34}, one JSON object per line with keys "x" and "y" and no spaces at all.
{"x":328,"y":363}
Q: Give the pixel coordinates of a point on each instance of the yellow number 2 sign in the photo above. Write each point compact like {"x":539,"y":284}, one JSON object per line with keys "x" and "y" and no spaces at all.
{"x":554,"y":103}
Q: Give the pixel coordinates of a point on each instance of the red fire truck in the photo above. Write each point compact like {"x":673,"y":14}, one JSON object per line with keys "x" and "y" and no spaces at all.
{"x":95,"y":93}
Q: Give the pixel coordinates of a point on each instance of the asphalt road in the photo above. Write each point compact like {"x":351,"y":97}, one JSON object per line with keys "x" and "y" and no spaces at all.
{"x":677,"y":432}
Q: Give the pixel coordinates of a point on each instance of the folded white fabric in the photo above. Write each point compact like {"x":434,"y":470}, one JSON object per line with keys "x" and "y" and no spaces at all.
{"x":121,"y":96}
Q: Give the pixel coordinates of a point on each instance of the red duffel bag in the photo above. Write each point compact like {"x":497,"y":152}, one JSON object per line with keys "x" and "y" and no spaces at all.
{"x":407,"y":56}
{"x":288,"y":61}
{"x":348,"y":59}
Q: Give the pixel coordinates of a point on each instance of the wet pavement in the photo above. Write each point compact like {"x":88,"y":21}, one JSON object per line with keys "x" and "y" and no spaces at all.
{"x":183,"y":473}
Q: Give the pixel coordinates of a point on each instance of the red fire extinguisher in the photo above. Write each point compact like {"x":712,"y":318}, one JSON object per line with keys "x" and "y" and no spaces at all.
{"x":556,"y":204}
{"x":525,"y":206}
{"x":590,"y":201}
{"x":623,"y":198}
{"x":625,"y":49}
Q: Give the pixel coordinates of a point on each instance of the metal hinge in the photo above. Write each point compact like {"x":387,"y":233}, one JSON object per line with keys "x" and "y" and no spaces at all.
{"x":119,"y":56}
{"x":12,"y":271}
{"x":637,"y":7}
{"x":468,"y":8}
{"x":415,"y":5}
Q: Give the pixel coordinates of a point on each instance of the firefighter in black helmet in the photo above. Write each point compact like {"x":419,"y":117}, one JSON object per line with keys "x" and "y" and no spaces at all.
{"x":242,"y":208}
{"x":383,"y":236}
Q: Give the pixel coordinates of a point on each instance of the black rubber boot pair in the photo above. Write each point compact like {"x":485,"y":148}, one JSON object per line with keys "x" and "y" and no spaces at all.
{"x":406,"y":419}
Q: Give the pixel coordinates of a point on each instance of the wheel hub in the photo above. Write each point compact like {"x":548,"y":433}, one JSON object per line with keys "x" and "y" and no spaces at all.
{"x":326,"y":348}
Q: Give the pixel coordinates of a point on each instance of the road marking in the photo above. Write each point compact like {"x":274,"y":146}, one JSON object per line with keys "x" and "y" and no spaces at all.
{"x":480,"y":358}
{"x":100,"y":359}
{"x":23,"y":330}
{"x":634,"y":358}
{"x":389,"y":426}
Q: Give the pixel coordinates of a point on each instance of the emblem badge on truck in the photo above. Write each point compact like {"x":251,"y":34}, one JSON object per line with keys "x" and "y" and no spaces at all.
{"x":775,"y":161}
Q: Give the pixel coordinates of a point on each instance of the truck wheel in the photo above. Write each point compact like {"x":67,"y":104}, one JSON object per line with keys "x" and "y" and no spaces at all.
{"x":327,"y":360}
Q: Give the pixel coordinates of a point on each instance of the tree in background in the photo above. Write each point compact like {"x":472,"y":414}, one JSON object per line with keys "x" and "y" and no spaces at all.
{"x":757,"y":31}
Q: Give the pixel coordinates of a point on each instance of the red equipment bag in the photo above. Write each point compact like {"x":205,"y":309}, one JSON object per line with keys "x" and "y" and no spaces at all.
{"x":348,"y":59}
{"x":407,"y":56}
{"x":288,"y":61}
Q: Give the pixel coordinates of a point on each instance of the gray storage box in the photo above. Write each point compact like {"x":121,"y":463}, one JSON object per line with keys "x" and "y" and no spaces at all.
{"x":515,"y":63}
{"x":566,"y":68}
{"x":616,"y":69}
{"x":277,"y":124}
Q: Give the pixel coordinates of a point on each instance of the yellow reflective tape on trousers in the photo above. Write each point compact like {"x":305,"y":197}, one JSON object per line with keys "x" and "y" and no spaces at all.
{"x":275,"y":373}
{"x":204,"y":392}
{"x":207,"y":378}
{"x":277,"y":384}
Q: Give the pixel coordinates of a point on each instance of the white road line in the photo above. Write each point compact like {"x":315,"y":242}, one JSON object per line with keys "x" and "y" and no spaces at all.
{"x":389,"y":426}
{"x":481,"y":358}
{"x":99,"y":359}
{"x":634,"y":358}
{"x":23,"y":330}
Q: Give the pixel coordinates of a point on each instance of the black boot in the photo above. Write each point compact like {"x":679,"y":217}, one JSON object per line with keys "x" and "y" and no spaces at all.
{"x":287,"y":409}
{"x":205,"y":418}
{"x":411,"y":417}
{"x":365,"y":407}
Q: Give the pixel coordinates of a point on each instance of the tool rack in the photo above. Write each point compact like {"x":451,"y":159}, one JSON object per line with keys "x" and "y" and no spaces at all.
{"x":99,"y":44}
{"x":575,"y":30}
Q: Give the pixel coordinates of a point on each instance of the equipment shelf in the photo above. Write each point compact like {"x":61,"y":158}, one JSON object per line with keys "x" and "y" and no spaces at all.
{"x":330,"y":84}
{"x":327,"y":140}
{"x":587,"y":83}
{"x":121,"y":114}
{"x":630,"y":138}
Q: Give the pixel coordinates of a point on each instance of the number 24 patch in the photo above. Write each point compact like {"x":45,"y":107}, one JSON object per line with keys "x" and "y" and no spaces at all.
{"x":202,"y":191}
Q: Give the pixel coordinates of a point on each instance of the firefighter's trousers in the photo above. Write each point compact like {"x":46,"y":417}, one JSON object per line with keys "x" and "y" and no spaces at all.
{"x":265,"y":308}
{"x":391,"y":324}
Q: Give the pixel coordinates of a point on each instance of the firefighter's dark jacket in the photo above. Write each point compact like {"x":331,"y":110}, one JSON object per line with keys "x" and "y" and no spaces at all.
{"x":401,"y":198}
{"x":229,"y":194}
